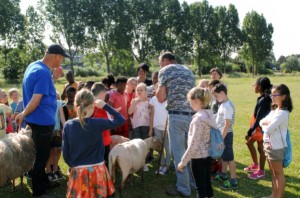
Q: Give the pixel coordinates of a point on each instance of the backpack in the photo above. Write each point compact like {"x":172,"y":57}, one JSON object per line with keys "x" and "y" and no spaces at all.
{"x":217,"y":146}
{"x":287,"y":151}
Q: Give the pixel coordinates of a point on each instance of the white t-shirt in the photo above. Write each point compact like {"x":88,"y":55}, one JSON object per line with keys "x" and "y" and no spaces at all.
{"x":160,"y":113}
{"x":3,"y":111}
{"x":225,"y":112}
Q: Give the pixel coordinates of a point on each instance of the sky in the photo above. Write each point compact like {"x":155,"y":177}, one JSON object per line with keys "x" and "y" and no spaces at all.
{"x":283,"y":15}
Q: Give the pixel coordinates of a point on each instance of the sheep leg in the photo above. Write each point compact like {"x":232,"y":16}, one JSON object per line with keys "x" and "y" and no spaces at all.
{"x":13,"y":185}
{"x":21,"y":180}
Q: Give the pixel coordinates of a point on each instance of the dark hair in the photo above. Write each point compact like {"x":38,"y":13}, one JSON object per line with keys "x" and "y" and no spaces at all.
{"x":220,"y":87}
{"x":265,"y":85}
{"x":70,"y":89}
{"x":167,"y":55}
{"x":287,"y":103}
{"x":214,"y":82}
{"x":121,"y":79}
{"x":155,"y":73}
{"x":215,"y":69}
{"x":109,"y":80}
{"x":97,"y":88}
{"x":144,"y":66}
{"x":88,"y":85}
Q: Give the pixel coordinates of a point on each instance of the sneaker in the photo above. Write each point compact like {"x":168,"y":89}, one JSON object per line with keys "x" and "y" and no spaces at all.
{"x":259,"y":174}
{"x":253,"y":167}
{"x":160,"y":169}
{"x":145,"y":168}
{"x":58,"y":176}
{"x":172,"y":191}
{"x":51,"y":177}
{"x":218,"y":177}
{"x":163,"y":171}
{"x":227,"y":185}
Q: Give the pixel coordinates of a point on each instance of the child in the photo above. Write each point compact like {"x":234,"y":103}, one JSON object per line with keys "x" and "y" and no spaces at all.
{"x":4,"y":100}
{"x":151,"y":89}
{"x":130,"y":89}
{"x":52,"y":170}
{"x":118,"y":99}
{"x":71,"y":83}
{"x":14,"y":96}
{"x":68,"y":108}
{"x":99,"y":92}
{"x":83,"y":149}
{"x":203,"y":83}
{"x":263,"y":107}
{"x":158,"y":117}
{"x":139,"y":107}
{"x":199,"y":141}
{"x":5,"y":111}
{"x":225,"y":121}
{"x":275,"y":126}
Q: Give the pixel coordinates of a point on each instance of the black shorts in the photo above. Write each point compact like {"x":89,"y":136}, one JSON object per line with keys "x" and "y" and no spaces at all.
{"x":228,"y":151}
{"x":56,"y":139}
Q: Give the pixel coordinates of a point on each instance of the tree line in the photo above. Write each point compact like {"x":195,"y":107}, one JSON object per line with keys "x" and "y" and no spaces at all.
{"x":122,"y":33}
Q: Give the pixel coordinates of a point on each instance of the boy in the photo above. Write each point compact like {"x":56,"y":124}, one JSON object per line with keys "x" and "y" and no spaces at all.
{"x":118,"y":99}
{"x":225,"y":120}
{"x":14,"y":96}
{"x":99,"y":92}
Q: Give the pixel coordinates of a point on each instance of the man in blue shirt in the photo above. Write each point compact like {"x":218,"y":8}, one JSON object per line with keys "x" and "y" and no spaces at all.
{"x":39,"y":97}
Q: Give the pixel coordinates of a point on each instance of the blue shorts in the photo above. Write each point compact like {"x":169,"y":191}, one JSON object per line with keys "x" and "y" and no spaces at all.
{"x":228,"y":151}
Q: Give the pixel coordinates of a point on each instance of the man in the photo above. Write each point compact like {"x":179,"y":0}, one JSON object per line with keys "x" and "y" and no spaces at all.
{"x":39,"y":97}
{"x":71,"y":82}
{"x":174,"y":82}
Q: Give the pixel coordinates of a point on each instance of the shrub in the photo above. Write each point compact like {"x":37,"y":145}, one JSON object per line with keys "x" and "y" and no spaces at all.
{"x":86,"y":71}
{"x":265,"y":71}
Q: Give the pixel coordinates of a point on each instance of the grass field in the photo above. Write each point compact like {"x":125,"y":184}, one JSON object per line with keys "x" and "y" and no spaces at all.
{"x":244,"y":99}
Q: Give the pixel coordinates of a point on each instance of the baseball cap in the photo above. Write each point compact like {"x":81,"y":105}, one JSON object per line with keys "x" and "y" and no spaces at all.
{"x":57,"y":49}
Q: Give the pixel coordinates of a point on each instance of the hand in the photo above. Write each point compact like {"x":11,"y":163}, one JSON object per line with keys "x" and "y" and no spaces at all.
{"x":100,"y":103}
{"x":19,"y":118}
{"x":57,"y":73}
{"x":118,"y":109}
{"x":180,"y":167}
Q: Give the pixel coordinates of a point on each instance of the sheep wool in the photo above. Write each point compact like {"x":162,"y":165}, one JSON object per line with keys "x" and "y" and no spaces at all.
{"x":17,"y":154}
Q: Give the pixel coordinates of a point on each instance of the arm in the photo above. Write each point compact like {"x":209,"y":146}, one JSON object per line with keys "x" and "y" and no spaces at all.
{"x":161,"y":93}
{"x":32,"y":105}
{"x":62,"y":115}
{"x":57,"y":73}
{"x":276,"y":121}
{"x":133,"y":104}
{"x":226,"y":127}
{"x":151,"y":120}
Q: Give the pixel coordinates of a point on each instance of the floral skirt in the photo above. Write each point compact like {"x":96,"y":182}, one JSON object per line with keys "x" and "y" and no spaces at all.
{"x":90,"y":181}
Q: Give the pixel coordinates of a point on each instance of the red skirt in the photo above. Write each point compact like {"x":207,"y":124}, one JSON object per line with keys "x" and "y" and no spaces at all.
{"x":90,"y":181}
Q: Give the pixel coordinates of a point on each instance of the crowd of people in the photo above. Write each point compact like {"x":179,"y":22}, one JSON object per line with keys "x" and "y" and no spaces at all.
{"x":78,"y":124}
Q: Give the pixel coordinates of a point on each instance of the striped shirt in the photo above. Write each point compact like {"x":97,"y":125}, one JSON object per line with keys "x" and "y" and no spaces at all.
{"x":226,"y":111}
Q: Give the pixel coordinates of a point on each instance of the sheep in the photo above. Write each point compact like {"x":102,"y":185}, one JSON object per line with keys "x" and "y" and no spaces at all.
{"x":130,"y":157}
{"x":117,"y":139}
{"x":17,"y":155}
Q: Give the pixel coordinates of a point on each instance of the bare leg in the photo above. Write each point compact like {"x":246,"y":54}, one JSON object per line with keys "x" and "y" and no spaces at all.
{"x":250,"y":143}
{"x":278,"y":179}
{"x":50,"y":161}
{"x":56,"y":156}
{"x":232,"y":169}
{"x":262,"y":157}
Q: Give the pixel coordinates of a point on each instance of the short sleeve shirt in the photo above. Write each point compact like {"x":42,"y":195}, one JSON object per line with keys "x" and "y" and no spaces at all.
{"x":178,"y":80}
{"x":37,"y":80}
{"x":226,"y":111}
{"x":119,"y":100}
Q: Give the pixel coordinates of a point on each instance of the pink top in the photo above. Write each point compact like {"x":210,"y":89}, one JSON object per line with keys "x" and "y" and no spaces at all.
{"x":118,"y":100}
{"x":199,"y":136}
{"x":141,"y":115}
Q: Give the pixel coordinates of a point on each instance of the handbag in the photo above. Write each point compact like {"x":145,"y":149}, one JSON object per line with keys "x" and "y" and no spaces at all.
{"x":287,"y":150}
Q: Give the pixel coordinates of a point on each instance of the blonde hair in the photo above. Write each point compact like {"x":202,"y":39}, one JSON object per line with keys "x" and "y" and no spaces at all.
{"x":132,"y":79}
{"x":12,"y":91}
{"x":203,"y":83}
{"x":204,"y":95}
{"x":83,"y":101}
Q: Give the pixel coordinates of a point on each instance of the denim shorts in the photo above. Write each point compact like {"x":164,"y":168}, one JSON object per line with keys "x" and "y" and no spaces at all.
{"x":273,"y":155}
{"x":228,"y":151}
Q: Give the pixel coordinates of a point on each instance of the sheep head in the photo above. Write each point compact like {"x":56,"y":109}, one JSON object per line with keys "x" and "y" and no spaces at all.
{"x":153,"y":143}
{"x":27,"y":131}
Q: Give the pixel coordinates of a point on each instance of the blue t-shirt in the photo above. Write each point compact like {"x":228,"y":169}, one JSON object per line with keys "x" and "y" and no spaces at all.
{"x":37,"y":80}
{"x":84,"y":145}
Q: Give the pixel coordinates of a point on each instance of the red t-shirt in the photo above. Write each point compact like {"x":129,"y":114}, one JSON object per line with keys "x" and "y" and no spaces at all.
{"x":101,"y":113}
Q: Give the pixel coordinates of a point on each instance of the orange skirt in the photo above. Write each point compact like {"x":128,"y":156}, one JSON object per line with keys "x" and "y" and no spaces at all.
{"x":90,"y":181}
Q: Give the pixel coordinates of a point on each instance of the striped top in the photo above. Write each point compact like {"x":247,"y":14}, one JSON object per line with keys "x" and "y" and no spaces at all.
{"x":226,"y":111}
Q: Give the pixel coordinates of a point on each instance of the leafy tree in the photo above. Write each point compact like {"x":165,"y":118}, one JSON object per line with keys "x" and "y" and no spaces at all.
{"x":257,"y":40}
{"x":204,"y":28}
{"x":230,"y":35}
{"x":68,"y":20}
{"x":291,"y":64}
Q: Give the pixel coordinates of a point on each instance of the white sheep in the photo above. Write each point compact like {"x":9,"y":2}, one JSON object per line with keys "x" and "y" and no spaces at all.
{"x":130,"y":157}
{"x":17,"y":154}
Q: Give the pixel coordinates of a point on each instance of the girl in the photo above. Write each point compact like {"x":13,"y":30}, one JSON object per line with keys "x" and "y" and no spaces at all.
{"x":263,"y":107}
{"x":199,"y":141}
{"x":275,"y":126}
{"x":83,"y":151}
{"x":141,"y":113}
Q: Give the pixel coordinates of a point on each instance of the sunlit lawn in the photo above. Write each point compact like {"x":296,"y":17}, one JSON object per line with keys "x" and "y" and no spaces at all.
{"x":243,"y":97}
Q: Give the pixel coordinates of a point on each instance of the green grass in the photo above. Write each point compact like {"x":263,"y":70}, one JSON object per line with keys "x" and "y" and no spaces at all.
{"x":244,"y":99}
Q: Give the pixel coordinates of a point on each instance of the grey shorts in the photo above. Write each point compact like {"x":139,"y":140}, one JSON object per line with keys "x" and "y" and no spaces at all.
{"x":273,"y":155}
{"x":228,"y":151}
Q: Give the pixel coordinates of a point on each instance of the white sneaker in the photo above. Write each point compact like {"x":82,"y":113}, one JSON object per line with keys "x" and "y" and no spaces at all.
{"x":160,"y":169}
{"x":145,"y":168}
{"x":163,"y":171}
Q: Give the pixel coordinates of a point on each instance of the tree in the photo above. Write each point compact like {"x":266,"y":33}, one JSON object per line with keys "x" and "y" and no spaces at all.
{"x":68,"y":20}
{"x":257,"y":40}
{"x":291,"y":64}
{"x":204,"y":29}
{"x":230,"y":35}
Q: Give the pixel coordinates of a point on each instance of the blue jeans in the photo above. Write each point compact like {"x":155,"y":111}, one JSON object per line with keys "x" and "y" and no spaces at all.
{"x":178,"y":132}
